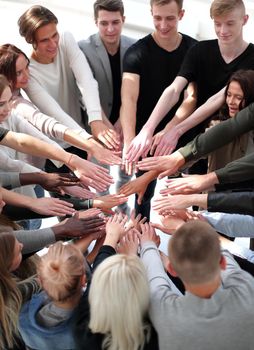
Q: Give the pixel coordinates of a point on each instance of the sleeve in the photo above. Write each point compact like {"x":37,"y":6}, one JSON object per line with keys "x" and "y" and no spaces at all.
{"x":28,"y":287}
{"x":160,"y":284}
{"x":189,"y":66}
{"x":34,"y":240}
{"x":10,"y":180}
{"x":232,"y":225}
{"x":219,"y":135}
{"x":132,"y":61}
{"x":235,"y":202}
{"x":9,"y":164}
{"x":231,"y":267}
{"x":239,"y":170}
{"x":3,"y":133}
{"x":40,"y":97}
{"x":104,"y":252}
{"x":88,"y":86}
{"x":47,"y":125}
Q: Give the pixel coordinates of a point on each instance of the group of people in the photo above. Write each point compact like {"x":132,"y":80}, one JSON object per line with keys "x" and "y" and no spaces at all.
{"x":165,"y":105}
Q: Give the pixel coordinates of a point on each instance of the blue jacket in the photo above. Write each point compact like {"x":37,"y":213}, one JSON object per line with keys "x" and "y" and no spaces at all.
{"x":40,"y":338}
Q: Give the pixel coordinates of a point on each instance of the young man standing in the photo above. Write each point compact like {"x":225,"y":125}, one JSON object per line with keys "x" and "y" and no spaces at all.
{"x":150,"y":65}
{"x":104,"y":52}
{"x":217,"y":310}
{"x":209,"y":64}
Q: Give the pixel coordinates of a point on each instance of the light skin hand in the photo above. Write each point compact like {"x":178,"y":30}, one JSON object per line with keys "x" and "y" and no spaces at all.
{"x":148,"y":234}
{"x":129,"y":243}
{"x":109,"y":201}
{"x":165,"y":165}
{"x":138,"y":186}
{"x":90,"y":174}
{"x":115,"y":229}
{"x":135,"y":221}
{"x":78,"y":192}
{"x":164,"y":143}
{"x":103,"y":155}
{"x":140,"y":145}
{"x":108,"y":136}
{"x":191,"y":183}
{"x":127,"y":166}
{"x":172,"y":202}
{"x":89,"y":213}
{"x":51,"y":206}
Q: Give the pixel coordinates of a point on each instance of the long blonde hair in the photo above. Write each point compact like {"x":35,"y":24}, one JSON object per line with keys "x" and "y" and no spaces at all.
{"x":10,"y":297}
{"x":119,"y":301}
{"x":60,"y":271}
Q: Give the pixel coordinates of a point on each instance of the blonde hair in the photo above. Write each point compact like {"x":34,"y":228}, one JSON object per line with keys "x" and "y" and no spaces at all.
{"x":194,"y":252}
{"x":119,"y":301}
{"x":222,"y":7}
{"x":10,"y":297}
{"x":60,"y":270}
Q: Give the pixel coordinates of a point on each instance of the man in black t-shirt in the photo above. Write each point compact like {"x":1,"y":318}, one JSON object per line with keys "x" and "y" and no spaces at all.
{"x":149,"y":66}
{"x":209,"y":64}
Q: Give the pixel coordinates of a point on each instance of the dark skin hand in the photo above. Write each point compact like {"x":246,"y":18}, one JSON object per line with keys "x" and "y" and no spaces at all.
{"x":54,"y":181}
{"x":75,"y":227}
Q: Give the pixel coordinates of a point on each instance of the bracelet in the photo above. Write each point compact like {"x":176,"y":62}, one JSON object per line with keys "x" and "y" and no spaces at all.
{"x":69,"y":160}
{"x":90,"y":203}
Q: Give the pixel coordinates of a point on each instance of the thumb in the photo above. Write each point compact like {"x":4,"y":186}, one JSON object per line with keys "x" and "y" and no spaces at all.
{"x":140,"y":197}
{"x":163,"y":174}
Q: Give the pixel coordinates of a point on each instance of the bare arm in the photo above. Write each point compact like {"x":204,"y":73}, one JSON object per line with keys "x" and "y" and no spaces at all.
{"x":129,"y":96}
{"x":142,"y":143}
{"x":163,"y":142}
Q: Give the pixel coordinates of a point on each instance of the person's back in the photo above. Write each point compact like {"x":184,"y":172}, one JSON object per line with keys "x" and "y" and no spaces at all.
{"x":216,"y":311}
{"x":45,"y":321}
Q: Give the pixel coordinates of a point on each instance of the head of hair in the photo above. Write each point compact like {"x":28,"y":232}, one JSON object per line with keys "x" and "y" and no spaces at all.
{"x":8,"y":58}
{"x":60,"y":271}
{"x":223,"y":7}
{"x":166,"y":2}
{"x":119,"y":300}
{"x":10,"y":298}
{"x":32,"y":19}
{"x":108,"y":5}
{"x":4,"y":83}
{"x":245,"y":78}
{"x":194,"y":252}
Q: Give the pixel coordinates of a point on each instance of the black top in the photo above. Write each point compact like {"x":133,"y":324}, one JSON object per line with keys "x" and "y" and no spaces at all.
{"x":205,"y":65}
{"x":3,"y":133}
{"x":157,"y":69}
{"x":116,"y":79}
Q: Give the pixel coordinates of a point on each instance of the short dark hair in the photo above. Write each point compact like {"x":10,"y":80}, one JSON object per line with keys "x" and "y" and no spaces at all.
{"x":166,"y":2}
{"x":108,"y":5}
{"x":34,"y":18}
{"x":194,"y":252}
{"x":8,"y":58}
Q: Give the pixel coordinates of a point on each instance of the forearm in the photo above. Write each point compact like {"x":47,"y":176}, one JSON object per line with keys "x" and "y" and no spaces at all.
{"x":16,"y":199}
{"x":186,"y":108}
{"x":31,"y":145}
{"x":34,"y":240}
{"x":220,"y":134}
{"x":78,"y":139}
{"x":128,"y":120}
{"x":202,"y":113}
{"x":239,"y":170}
{"x":235,"y":202}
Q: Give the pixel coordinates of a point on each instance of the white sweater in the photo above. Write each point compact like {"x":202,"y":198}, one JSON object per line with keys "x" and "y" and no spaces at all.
{"x":59,"y":88}
{"x":12,"y":160}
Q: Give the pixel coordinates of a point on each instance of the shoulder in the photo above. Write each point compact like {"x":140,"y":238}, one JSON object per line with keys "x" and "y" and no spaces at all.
{"x":126,"y":40}
{"x":188,"y":40}
{"x":88,"y":43}
{"x":140,"y":47}
{"x":66,"y":40}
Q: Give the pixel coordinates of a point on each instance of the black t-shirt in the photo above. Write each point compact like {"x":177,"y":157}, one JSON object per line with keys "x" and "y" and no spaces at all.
{"x":157,"y":69}
{"x":116,"y":79}
{"x":205,"y":65}
{"x":3,"y":133}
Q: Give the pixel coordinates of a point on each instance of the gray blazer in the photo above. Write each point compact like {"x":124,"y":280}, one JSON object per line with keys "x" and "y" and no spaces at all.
{"x":97,"y":57}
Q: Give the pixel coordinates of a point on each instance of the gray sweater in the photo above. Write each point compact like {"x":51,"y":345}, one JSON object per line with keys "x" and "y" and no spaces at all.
{"x":223,"y":322}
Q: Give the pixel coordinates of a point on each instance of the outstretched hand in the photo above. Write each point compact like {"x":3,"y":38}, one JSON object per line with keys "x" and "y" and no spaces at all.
{"x":90,"y":174}
{"x":129,"y":243}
